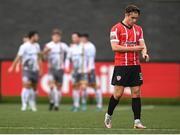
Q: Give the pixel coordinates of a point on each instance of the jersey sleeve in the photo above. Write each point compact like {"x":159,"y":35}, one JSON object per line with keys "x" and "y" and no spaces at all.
{"x":47,"y":46}
{"x":66,"y":48}
{"x":141,"y":37}
{"x":114,"y":34}
{"x":91,"y":57}
{"x":38,"y":48}
{"x":21,"y":51}
{"x":67,"y":60}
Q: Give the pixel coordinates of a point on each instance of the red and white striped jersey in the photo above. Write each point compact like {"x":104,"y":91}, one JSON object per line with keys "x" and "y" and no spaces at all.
{"x":128,"y":37}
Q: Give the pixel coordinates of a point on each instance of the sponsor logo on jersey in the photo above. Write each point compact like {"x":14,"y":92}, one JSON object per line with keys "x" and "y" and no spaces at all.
{"x":118,"y":77}
{"x":130,"y":42}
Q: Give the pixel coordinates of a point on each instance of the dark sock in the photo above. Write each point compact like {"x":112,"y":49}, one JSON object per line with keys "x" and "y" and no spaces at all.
{"x":112,"y":104}
{"x":136,"y":107}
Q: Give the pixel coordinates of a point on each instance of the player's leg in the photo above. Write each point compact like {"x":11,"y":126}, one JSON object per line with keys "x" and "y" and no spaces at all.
{"x":136,"y":81}
{"x":136,"y":106}
{"x":119,"y":80}
{"x":114,"y":100}
{"x":34,"y":76}
{"x":25,"y":93}
{"x":58,"y":83}
{"x":83,"y":86}
{"x":51,"y":84}
{"x":98,"y":92}
{"x":99,"y":98}
{"x":75,"y":92}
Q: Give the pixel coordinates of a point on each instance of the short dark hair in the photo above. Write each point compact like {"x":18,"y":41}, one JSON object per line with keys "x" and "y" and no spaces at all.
{"x":77,"y":33}
{"x":132,"y":8}
{"x":56,"y":31}
{"x":32,"y":33}
{"x":85,"y":35}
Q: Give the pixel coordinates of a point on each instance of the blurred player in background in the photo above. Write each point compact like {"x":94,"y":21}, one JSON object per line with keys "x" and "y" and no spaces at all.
{"x":29,"y":52}
{"x":55,"y":52}
{"x":127,"y":41}
{"x":18,"y":65}
{"x":91,"y":72}
{"x":77,"y":55}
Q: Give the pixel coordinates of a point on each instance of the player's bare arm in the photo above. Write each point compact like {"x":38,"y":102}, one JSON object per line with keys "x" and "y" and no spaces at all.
{"x":45,"y":52}
{"x":119,"y":48}
{"x":14,"y":64}
{"x":144,"y":50}
{"x":18,"y":65}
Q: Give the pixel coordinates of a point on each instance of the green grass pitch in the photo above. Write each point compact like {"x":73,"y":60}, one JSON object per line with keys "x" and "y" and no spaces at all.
{"x":158,"y":119}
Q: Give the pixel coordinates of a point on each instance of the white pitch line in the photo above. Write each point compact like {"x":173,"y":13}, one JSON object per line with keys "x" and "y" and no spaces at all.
{"x":124,"y":108}
{"x":112,"y":129}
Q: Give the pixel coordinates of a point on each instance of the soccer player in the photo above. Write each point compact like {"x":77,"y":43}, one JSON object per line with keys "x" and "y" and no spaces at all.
{"x":29,"y":52}
{"x":127,"y":41}
{"x":91,"y":71}
{"x":78,"y":56}
{"x":55,"y":52}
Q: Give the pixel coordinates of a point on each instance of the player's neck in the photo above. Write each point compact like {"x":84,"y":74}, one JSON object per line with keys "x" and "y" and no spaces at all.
{"x":56,"y":42}
{"x":126,"y":23}
{"x":31,"y":41}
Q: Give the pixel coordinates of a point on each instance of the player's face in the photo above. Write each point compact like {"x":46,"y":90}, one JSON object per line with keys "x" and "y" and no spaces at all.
{"x":56,"y":38}
{"x":75,"y":38}
{"x":84,"y":40}
{"x":132,"y":18}
{"x":36,"y":38}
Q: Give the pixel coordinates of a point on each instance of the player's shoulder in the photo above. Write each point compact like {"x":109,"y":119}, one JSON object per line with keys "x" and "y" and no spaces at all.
{"x":91,"y":45}
{"x":137,"y":27}
{"x":64,"y":44}
{"x":72,"y":47}
{"x":50,"y":43}
{"x":116,"y":26}
{"x":25,"y":45}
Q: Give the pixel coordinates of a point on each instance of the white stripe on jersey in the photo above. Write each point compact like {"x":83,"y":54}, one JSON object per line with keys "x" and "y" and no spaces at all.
{"x":126,"y":45}
{"x":134,"y":45}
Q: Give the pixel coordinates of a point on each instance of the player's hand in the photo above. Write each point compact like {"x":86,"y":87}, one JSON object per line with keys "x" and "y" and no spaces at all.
{"x":139,"y":48}
{"x":145,"y":56}
{"x":10,"y":70}
{"x":17,"y":69}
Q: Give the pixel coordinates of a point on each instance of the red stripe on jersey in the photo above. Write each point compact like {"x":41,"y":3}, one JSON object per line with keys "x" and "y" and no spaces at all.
{"x":126,"y":37}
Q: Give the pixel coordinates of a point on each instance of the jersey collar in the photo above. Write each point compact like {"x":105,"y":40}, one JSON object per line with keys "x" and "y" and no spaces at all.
{"x":126,"y":25}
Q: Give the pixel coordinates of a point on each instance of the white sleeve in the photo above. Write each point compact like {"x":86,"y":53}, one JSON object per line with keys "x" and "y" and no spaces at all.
{"x":21,"y":50}
{"x":141,"y":37}
{"x":38,"y":48}
{"x":66,"y":48}
{"x":114,"y":35}
{"x":90,"y":63}
{"x":91,"y":58}
{"x":94,"y":51}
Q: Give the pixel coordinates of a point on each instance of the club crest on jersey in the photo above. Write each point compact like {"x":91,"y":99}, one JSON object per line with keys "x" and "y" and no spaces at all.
{"x":113,"y":35}
{"x":118,"y":77}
